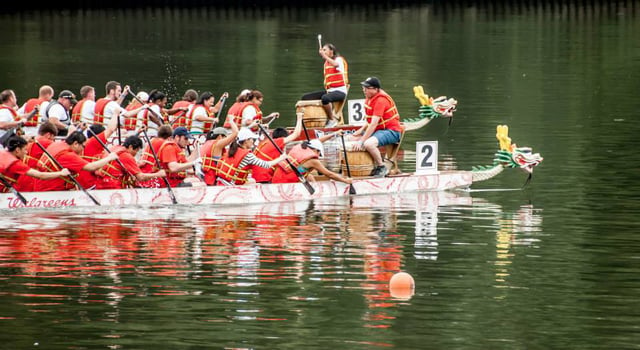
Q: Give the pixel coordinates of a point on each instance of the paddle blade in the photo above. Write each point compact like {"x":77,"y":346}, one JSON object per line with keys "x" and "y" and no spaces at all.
{"x":308,"y":186}
{"x":352,"y":190}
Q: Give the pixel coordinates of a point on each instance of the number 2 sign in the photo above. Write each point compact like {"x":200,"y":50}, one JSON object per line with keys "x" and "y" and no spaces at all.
{"x":427,"y":157}
{"x":356,"y":112}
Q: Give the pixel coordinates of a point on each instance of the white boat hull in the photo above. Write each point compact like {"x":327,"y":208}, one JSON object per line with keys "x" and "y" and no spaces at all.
{"x":239,"y":195}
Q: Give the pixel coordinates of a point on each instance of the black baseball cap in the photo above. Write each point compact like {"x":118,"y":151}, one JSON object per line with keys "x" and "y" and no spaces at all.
{"x":371,"y":82}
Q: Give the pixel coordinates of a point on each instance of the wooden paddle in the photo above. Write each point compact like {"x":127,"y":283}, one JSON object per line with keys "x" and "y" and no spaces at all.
{"x":155,"y":158}
{"x":352,"y":189}
{"x":73,"y":179}
{"x":302,"y":179}
{"x":13,"y":190}
{"x":109,"y":151}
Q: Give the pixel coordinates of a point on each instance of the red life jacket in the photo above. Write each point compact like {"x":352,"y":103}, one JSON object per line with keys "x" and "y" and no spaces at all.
{"x":98,"y":110}
{"x":174,"y":178}
{"x":147,"y":161}
{"x":235,"y":113}
{"x":28,"y":107}
{"x":268,"y":152}
{"x":298,"y":155}
{"x":130,"y":123}
{"x":76,"y":112}
{"x":7,"y":159}
{"x":209,"y":162}
{"x":45,"y":164}
{"x":112,"y":175}
{"x":228,"y":168}
{"x":206,"y":127}
{"x":181,"y":116}
{"x":333,"y":78}
{"x":390,"y":119}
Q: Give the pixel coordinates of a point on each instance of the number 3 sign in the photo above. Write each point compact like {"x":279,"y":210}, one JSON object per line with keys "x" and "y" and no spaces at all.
{"x":427,"y":157}
{"x":356,"y":112}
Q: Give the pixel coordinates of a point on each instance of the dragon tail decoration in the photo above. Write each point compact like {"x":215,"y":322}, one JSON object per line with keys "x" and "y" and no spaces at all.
{"x":508,"y":156}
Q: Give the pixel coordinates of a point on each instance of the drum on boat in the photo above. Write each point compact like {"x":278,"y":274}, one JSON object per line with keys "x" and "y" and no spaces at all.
{"x":314,"y":115}
{"x":360,"y":163}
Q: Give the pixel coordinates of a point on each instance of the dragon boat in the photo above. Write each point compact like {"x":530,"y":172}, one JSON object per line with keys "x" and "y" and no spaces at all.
{"x":508,"y":156}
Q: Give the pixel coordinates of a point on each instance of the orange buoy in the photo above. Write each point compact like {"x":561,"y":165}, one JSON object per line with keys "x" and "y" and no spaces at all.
{"x":402,"y":286}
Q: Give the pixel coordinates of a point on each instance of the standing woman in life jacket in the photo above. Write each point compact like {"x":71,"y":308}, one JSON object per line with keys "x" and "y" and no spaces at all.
{"x":336,"y":81}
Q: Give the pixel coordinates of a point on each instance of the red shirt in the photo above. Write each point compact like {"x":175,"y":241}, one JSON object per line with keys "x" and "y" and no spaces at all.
{"x":74,"y":163}
{"x":15,"y":171}
{"x":171,"y":152}
{"x":115,"y":181}
{"x":93,"y":150}
{"x":383,"y":106}
{"x":27,"y":183}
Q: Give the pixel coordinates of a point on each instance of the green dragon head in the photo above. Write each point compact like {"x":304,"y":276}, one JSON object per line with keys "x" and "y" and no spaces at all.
{"x":434,"y":108}
{"x":512,"y":156}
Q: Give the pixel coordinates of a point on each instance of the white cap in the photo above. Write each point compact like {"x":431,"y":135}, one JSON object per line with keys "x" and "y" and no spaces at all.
{"x":317,"y":145}
{"x":143,"y":96}
{"x":245,"y":134}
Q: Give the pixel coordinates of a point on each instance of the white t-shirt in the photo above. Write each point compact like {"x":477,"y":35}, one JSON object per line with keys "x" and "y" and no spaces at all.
{"x":196,"y":125}
{"x":248,"y":114}
{"x":340,"y":68}
{"x":153,"y":127}
{"x":87,"y":112}
{"x":5,"y":117}
{"x":109,"y":109}
{"x":58,"y":111}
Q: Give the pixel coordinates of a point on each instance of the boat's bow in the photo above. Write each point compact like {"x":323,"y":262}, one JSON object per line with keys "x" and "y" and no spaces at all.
{"x":508,"y":156}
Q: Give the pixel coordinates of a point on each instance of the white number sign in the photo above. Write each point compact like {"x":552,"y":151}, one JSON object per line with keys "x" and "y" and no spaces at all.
{"x":427,"y":157}
{"x":356,"y":112}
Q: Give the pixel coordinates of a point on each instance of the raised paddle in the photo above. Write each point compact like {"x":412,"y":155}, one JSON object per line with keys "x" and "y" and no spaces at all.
{"x":295,"y":169}
{"x":73,"y":179}
{"x":109,"y":151}
{"x":13,"y":190}
{"x":352,"y":189}
{"x":149,"y":109}
{"x":223,"y":100}
{"x":155,"y":158}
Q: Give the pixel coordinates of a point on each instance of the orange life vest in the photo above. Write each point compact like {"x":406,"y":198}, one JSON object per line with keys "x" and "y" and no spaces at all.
{"x":114,"y":170}
{"x":98,"y":110}
{"x":7,"y":159}
{"x":147,"y":161}
{"x":206,"y":126}
{"x":228,"y":168}
{"x":268,"y":152}
{"x":333,"y":78}
{"x":34,"y":152}
{"x":76,"y":112}
{"x":130,"y":123}
{"x":45,"y":163}
{"x":181,"y":116}
{"x":390,"y":119}
{"x":298,"y":155}
{"x":235,"y":113}
{"x":209,"y":162}
{"x":28,"y":107}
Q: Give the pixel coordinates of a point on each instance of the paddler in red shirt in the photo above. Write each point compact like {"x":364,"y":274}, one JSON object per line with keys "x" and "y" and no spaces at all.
{"x":173,"y":159}
{"x":147,"y":162}
{"x":67,"y":154}
{"x":113,"y":176}
{"x":46,"y":135}
{"x":214,"y":148}
{"x":12,"y":169}
{"x":383,"y":124}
